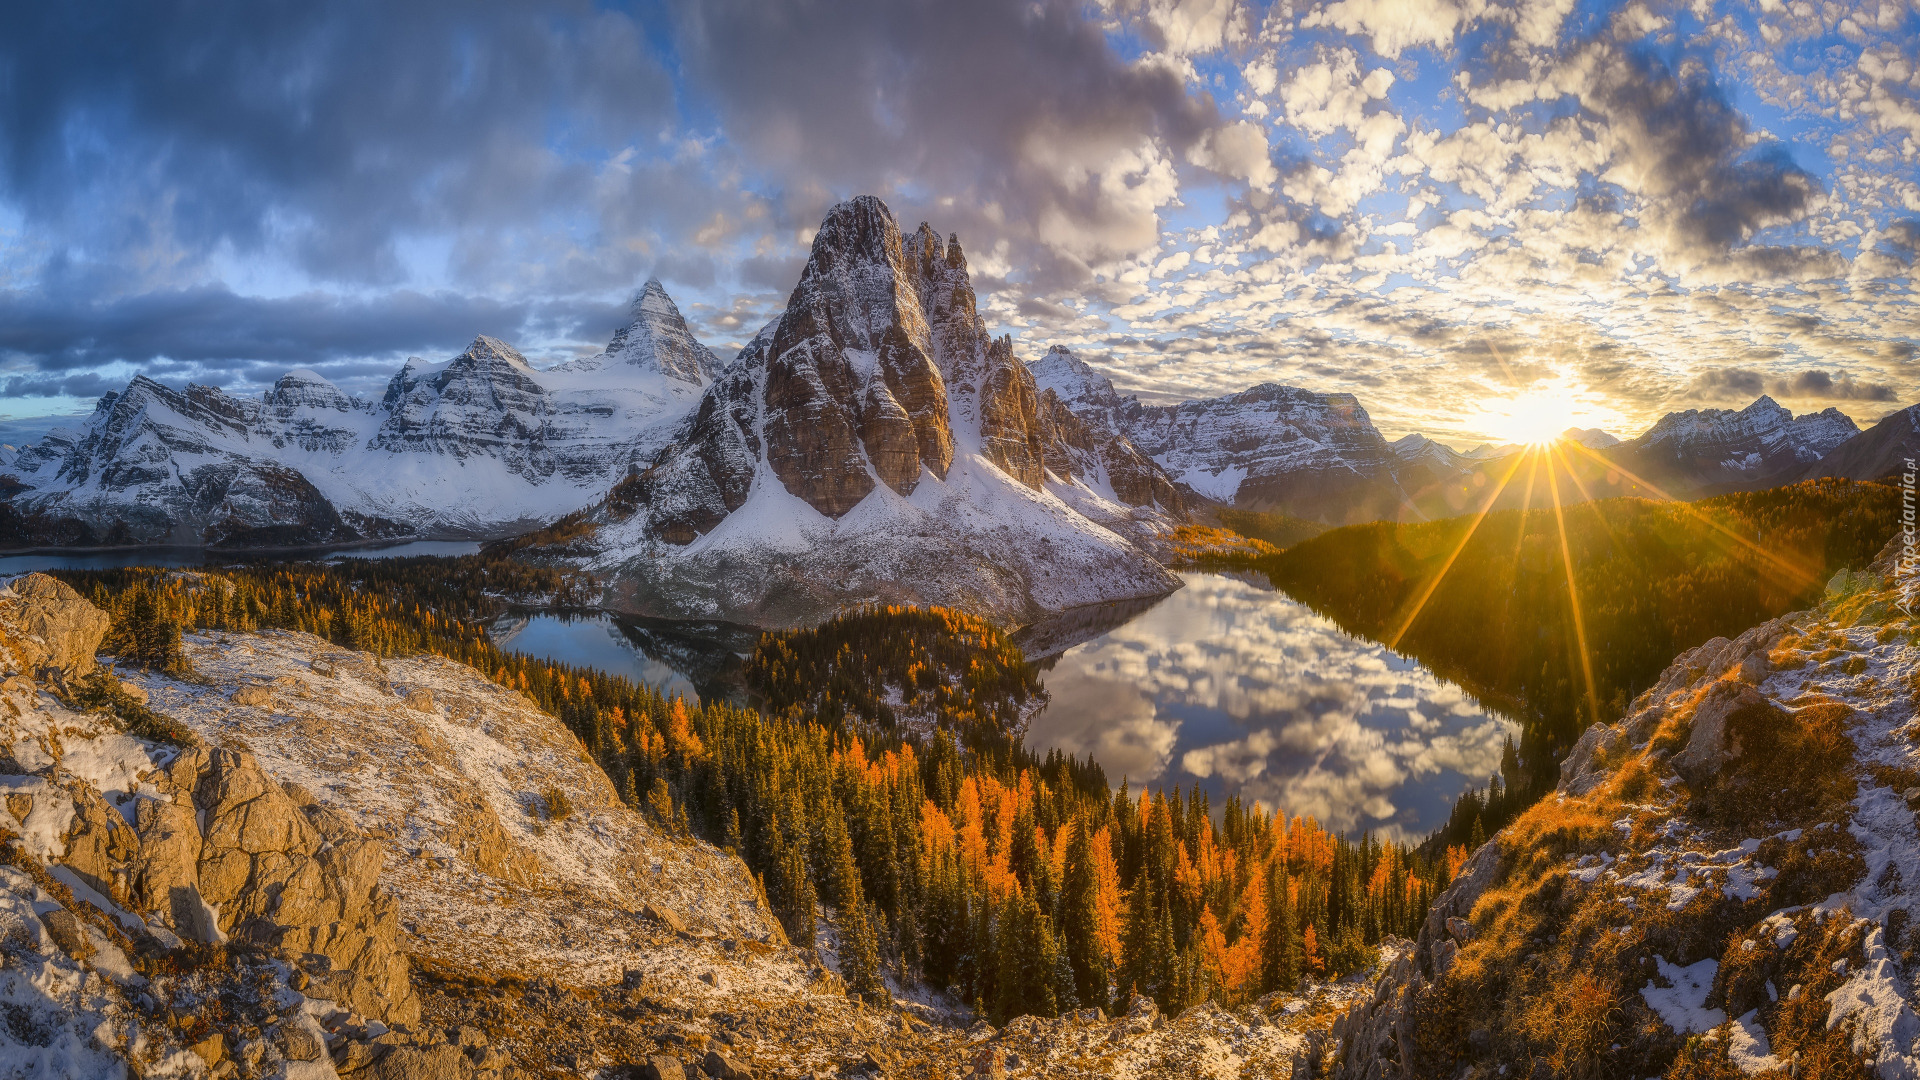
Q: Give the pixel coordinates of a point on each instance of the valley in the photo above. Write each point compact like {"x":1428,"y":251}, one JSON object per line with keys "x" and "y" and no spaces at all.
{"x":882,"y":702}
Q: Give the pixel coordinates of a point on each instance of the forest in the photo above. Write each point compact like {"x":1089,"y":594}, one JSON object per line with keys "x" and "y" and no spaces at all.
{"x":1022,"y":882}
{"x":1491,"y":603}
{"x":880,"y":668}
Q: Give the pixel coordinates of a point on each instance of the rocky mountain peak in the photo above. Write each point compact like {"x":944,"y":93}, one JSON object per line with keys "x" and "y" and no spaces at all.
{"x":852,"y":393}
{"x":302,"y":387}
{"x":655,"y":339}
{"x":1808,"y":437}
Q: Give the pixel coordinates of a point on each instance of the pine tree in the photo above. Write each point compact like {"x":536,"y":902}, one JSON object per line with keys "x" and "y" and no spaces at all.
{"x":859,"y":945}
{"x":1080,"y":921}
{"x":1280,"y":951}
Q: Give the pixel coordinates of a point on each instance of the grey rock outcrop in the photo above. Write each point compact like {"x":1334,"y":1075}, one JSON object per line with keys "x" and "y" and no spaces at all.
{"x":194,"y":841}
{"x":1374,"y":1039}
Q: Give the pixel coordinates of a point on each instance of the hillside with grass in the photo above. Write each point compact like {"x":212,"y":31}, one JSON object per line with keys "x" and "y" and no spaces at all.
{"x":1723,"y":884}
{"x":1561,"y":617}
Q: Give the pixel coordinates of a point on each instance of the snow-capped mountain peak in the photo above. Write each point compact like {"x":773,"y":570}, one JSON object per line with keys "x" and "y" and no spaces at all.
{"x":303,"y":388}
{"x":654,"y":341}
{"x":1418,"y":448}
{"x":1759,"y":445}
{"x":873,"y":444}
{"x":481,"y":444}
{"x":1079,"y":385}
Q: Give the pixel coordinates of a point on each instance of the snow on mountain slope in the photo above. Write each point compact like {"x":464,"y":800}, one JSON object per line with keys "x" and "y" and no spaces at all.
{"x":1271,"y":447}
{"x":1722,"y":450}
{"x":479,"y":445}
{"x":873,"y":444}
{"x":455,"y":774}
{"x":1881,"y":450}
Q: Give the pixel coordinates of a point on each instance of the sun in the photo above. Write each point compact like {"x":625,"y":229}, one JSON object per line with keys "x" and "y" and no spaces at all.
{"x":1536,"y":416}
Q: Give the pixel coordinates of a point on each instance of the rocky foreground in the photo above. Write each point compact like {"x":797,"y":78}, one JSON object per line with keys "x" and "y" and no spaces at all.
{"x":1724,"y":884}
{"x":293,"y":860}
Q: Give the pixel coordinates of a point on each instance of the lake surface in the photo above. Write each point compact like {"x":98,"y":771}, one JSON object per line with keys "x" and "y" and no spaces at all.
{"x":698,"y":661}
{"x":1235,"y":686}
{"x":115,"y":560}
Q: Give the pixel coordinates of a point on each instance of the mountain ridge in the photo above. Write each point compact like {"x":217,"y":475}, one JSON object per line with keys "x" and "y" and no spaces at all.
{"x":873,"y":444}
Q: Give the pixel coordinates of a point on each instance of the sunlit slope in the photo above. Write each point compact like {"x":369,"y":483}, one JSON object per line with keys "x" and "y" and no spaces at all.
{"x":1490,"y":599}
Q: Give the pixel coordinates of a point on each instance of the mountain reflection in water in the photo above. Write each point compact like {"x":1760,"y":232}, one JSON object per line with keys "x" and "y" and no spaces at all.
{"x":698,"y":661}
{"x":1234,"y":685}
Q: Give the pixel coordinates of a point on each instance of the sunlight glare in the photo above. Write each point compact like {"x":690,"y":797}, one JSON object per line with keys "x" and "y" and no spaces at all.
{"x":1538,"y":415}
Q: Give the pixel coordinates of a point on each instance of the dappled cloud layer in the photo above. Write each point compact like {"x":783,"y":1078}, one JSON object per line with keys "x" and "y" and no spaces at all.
{"x":1440,"y":205}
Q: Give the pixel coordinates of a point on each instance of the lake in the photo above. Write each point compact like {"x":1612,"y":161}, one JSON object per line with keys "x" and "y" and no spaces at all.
{"x":115,"y":560}
{"x":698,"y":661}
{"x":1233,"y":685}
{"x":1227,"y":683}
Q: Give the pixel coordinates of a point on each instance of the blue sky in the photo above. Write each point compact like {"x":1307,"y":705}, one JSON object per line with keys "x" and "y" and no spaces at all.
{"x":1464,"y":211}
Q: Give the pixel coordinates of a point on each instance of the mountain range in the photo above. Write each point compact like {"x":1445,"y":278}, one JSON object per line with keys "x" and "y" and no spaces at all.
{"x":872,"y":443}
{"x":477,"y":446}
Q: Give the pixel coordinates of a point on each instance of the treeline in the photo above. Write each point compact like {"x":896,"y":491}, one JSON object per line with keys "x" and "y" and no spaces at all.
{"x":1653,"y":580}
{"x":878,"y":666}
{"x":1021,"y":881}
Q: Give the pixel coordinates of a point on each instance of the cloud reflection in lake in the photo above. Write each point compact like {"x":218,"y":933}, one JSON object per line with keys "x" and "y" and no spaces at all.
{"x":1240,"y":688}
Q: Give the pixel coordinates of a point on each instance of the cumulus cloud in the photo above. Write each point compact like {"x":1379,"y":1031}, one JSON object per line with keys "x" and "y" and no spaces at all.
{"x":1021,"y":115}
{"x":1725,"y":383}
{"x":1394,"y":26}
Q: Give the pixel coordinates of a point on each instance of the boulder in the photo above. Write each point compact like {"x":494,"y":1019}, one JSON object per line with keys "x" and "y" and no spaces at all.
{"x":662,"y":1067}
{"x":1709,"y":746}
{"x":68,"y":932}
{"x":444,"y":1062}
{"x":259,"y":697}
{"x":718,"y":1065}
{"x":44,"y":623}
{"x":212,"y":1049}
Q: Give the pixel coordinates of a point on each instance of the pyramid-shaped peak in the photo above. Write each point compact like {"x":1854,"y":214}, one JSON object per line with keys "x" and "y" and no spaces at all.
{"x":655,"y":341}
{"x":492,"y":348}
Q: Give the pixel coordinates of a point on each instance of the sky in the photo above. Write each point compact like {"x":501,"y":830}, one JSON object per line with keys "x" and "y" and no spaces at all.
{"x":1469,"y":213}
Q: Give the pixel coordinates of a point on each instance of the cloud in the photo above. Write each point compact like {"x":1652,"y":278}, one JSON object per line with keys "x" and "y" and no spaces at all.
{"x":325,"y":135}
{"x":1252,"y":693}
{"x":56,"y":346}
{"x":1729,"y":382}
{"x":1011,"y":110}
{"x":1394,"y":26}
{"x":1186,"y":27}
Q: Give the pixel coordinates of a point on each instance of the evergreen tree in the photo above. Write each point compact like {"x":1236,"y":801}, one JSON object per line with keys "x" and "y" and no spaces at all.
{"x":859,"y":946}
{"x":1080,"y":922}
{"x":1280,"y":951}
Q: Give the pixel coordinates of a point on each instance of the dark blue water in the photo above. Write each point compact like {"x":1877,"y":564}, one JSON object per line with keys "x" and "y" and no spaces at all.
{"x":670,"y":662}
{"x":114,"y":560}
{"x":1239,"y":688}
